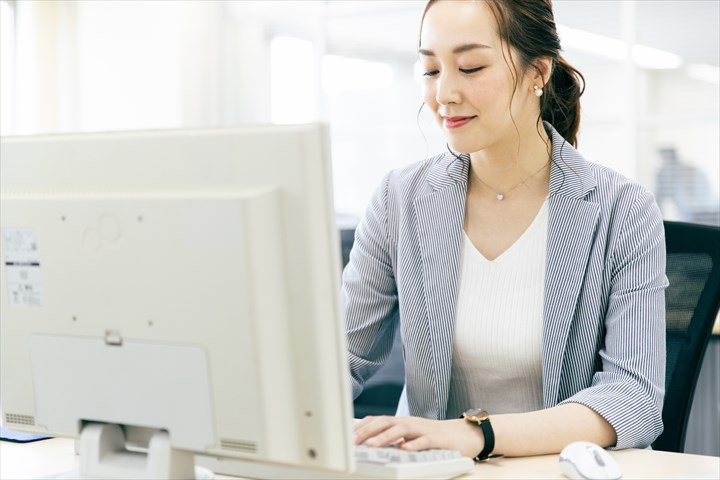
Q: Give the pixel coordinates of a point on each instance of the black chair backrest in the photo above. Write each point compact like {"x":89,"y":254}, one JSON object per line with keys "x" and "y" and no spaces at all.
{"x":691,"y":301}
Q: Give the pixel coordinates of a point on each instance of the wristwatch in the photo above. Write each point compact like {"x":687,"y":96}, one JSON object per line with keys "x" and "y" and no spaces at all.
{"x":482,"y":418}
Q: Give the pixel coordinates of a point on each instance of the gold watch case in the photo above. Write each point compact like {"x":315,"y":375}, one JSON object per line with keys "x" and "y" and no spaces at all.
{"x":477,"y":415}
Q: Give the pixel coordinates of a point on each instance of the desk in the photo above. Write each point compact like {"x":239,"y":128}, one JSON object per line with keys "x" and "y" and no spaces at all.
{"x":50,"y":457}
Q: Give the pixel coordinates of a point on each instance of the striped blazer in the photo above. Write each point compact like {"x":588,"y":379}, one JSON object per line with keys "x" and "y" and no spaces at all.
{"x":604,"y":307}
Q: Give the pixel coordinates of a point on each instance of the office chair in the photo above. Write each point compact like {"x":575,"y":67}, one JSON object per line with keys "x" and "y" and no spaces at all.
{"x":691,"y":301}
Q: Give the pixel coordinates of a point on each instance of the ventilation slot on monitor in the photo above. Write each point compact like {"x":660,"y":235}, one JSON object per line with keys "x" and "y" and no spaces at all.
{"x":18,"y":419}
{"x":238,"y":445}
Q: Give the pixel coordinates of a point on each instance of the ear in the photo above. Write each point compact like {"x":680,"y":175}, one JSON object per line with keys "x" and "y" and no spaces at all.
{"x":541,"y":70}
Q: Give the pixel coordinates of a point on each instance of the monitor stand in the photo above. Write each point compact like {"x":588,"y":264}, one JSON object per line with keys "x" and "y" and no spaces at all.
{"x":104,"y":455}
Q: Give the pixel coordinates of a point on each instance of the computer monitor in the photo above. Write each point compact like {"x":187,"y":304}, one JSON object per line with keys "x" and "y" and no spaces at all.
{"x":180,"y":286}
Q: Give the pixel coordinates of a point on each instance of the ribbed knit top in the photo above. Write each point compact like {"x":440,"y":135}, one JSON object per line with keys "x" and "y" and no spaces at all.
{"x":497,"y":348}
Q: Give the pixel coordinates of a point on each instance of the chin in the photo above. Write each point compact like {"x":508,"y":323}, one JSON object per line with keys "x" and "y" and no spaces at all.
{"x":460,"y":147}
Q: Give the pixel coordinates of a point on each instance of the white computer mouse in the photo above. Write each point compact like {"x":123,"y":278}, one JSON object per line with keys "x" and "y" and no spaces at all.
{"x":586,"y":460}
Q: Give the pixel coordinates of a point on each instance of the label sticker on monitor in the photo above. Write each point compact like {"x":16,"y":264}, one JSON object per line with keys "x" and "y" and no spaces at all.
{"x":22,"y":267}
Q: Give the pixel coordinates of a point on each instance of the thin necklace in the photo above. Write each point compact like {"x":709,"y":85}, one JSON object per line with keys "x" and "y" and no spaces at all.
{"x":500,"y":196}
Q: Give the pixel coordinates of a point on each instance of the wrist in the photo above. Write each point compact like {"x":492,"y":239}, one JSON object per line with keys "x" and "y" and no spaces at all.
{"x":480,"y":419}
{"x":473,"y":439}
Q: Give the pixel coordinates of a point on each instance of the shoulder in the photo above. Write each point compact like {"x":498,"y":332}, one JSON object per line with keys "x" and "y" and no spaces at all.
{"x":625,"y":209}
{"x":415,"y":175}
{"x":394,"y":205}
{"x":625,"y":203}
{"x":575,"y":176}
{"x":629,"y":217}
{"x":614,"y":186}
{"x":426,"y":176}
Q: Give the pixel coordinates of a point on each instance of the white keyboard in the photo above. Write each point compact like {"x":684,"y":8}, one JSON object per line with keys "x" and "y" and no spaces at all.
{"x":370,"y":463}
{"x":394,"y":463}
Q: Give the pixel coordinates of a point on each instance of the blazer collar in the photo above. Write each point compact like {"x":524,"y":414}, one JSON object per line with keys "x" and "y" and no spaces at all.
{"x":570,"y":174}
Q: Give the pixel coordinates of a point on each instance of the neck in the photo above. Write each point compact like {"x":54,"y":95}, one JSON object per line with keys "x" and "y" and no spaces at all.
{"x":510,"y":165}
{"x":505,"y":163}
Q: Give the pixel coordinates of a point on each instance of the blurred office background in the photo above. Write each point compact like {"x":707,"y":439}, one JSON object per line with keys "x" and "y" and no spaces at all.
{"x":651,"y":108}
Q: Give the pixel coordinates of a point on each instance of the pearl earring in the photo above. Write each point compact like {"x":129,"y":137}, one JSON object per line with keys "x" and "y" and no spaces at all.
{"x":538,"y":91}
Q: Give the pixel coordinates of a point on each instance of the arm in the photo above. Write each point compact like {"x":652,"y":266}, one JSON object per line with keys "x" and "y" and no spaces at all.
{"x":517,"y":434}
{"x":550,"y":430}
{"x":370,"y":294}
{"x":628,"y":390}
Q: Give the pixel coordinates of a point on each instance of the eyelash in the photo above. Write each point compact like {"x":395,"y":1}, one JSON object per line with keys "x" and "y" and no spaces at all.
{"x":466,"y":71}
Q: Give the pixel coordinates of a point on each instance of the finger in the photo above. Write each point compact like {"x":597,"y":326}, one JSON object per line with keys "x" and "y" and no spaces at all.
{"x":389,"y":436}
{"x":361,"y":422}
{"x":372,"y":420}
{"x":370,"y":427}
{"x":420,"y":443}
{"x":397,"y":429}
{"x":368,"y":422}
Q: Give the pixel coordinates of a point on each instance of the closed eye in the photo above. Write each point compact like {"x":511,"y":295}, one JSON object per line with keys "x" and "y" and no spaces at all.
{"x":431,"y":73}
{"x":471,"y":70}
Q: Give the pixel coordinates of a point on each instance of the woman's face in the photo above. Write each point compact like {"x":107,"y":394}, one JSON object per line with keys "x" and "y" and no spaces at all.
{"x":467,"y":82}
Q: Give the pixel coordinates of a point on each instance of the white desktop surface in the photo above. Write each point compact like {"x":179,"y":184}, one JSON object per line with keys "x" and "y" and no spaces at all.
{"x":51,"y":457}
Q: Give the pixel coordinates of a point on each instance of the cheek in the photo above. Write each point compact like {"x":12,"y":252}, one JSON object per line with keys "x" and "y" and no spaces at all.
{"x":485,"y":90}
{"x":428,"y":91}
{"x":489,"y":96}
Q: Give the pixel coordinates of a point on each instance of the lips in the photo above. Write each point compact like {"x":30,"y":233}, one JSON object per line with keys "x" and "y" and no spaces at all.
{"x":456,"y":122}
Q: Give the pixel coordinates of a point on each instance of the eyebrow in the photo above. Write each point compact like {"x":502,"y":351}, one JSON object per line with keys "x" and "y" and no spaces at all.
{"x":458,"y":49}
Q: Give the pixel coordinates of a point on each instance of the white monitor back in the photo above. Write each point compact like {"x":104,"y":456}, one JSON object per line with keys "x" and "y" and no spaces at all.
{"x":184,"y":280}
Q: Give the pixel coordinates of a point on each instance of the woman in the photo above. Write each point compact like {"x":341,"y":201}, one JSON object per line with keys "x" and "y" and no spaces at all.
{"x":528,"y":282}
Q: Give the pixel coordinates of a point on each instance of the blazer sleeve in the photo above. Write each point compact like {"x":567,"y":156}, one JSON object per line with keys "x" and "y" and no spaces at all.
{"x":370,"y":293}
{"x":628,"y":392}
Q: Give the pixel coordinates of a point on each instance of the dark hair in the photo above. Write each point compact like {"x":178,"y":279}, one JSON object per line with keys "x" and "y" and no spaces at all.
{"x":528,"y":26}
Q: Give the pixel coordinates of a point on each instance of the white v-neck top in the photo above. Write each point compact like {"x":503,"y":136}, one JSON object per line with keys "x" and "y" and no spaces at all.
{"x":497,"y":347}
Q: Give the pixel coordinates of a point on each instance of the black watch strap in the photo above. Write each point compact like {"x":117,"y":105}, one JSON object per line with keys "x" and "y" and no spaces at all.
{"x":489,"y":440}
{"x":481,"y":418}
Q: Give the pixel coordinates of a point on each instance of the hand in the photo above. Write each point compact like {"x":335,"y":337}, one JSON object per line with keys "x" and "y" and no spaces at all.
{"x":415,"y":433}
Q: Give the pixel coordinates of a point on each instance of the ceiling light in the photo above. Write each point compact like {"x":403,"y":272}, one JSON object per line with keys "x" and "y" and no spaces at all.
{"x":592,"y":43}
{"x":704,"y":72}
{"x":648,"y":57}
{"x":645,"y":57}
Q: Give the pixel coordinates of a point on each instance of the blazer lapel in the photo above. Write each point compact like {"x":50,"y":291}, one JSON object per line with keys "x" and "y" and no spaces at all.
{"x":439,"y":220}
{"x":571,"y":229}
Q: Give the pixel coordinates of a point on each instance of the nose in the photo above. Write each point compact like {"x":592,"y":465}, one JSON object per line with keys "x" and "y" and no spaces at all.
{"x":446,"y":89}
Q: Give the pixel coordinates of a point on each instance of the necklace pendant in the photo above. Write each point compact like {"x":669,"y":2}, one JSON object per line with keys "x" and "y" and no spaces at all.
{"x":499,"y":197}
